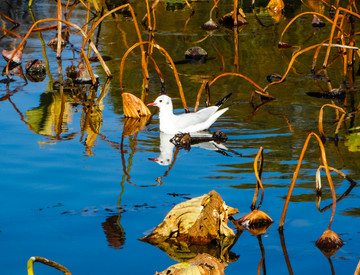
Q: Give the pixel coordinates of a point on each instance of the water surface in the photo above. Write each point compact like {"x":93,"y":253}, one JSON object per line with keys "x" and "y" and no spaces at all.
{"x":83,"y":194}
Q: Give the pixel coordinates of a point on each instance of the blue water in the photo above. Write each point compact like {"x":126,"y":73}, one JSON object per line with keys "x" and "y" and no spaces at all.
{"x":61,"y":195}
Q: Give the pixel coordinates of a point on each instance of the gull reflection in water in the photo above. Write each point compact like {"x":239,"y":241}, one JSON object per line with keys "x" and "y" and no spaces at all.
{"x":166,"y":155}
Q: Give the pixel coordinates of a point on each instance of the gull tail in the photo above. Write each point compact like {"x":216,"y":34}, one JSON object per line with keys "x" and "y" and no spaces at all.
{"x":222,"y":101}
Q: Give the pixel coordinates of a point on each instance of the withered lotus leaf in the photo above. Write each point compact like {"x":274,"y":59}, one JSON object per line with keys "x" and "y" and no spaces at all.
{"x":228,"y":19}
{"x":202,"y":264}
{"x":256,"y":222}
{"x":134,"y":125}
{"x":197,"y":221}
{"x":276,"y":6}
{"x":16,"y":59}
{"x":64,"y":41}
{"x":133,"y":106}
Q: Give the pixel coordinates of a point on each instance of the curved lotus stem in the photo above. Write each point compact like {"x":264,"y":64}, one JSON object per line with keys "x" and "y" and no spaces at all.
{"x":258,"y":177}
{"x":291,"y":63}
{"x":333,"y":30}
{"x":321,"y":114}
{"x":331,"y":37}
{"x":106,"y":69}
{"x":299,"y":15}
{"x":46,"y":262}
{"x":318,"y":187}
{"x":164,"y":52}
{"x":265,"y":94}
{"x":323,"y":157}
{"x":11,"y":32}
{"x":108,"y":13}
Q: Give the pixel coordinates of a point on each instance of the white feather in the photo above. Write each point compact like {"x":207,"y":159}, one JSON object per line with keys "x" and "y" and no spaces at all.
{"x":185,"y":123}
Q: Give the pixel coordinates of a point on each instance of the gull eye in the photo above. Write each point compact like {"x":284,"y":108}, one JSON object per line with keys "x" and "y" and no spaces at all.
{"x":160,"y":100}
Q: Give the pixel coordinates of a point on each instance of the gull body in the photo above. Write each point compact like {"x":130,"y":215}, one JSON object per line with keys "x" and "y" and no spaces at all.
{"x":188,"y":122}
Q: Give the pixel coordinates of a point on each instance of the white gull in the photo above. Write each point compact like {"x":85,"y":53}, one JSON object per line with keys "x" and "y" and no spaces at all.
{"x":188,"y":122}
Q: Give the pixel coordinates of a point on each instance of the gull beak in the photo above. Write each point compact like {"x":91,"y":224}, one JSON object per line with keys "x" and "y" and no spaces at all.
{"x":153,"y":159}
{"x":152,"y":104}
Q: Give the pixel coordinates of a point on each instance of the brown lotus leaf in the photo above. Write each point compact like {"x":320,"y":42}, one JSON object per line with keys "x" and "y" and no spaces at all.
{"x":64,"y":41}
{"x":17,"y":57}
{"x":35,"y":65}
{"x":182,"y":252}
{"x":357,"y":270}
{"x":196,"y":221}
{"x":202,"y":264}
{"x":228,"y":21}
{"x":276,"y":6}
{"x":316,"y":5}
{"x":256,"y":222}
{"x":134,"y":125}
{"x":329,"y":243}
{"x":14,"y":70}
{"x":276,"y":15}
{"x":133,"y":106}
{"x":83,"y":76}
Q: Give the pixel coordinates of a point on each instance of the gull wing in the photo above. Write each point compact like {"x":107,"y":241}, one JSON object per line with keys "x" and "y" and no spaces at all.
{"x":184,"y":121}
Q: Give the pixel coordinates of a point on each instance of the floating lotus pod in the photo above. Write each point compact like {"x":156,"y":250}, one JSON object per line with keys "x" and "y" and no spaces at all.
{"x":256,"y":222}
{"x":329,"y":243}
{"x":210,"y":25}
{"x":195,"y":53}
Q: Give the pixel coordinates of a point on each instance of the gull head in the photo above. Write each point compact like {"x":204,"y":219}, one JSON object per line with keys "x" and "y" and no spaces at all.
{"x":163,"y":102}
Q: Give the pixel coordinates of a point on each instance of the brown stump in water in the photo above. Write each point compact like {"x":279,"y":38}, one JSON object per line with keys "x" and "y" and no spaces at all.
{"x":329,"y":243}
{"x":35,"y":70}
{"x":210,"y":25}
{"x":256,"y":222}
{"x":185,"y":140}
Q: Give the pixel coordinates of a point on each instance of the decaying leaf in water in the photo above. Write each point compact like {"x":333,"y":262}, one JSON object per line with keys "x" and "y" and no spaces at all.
{"x":35,"y":70}
{"x":16,"y":59}
{"x":317,"y":23}
{"x":228,"y":21}
{"x":275,"y":15}
{"x":182,"y":252}
{"x":316,"y":5}
{"x":202,"y":264}
{"x":329,"y":243}
{"x":134,"y":125}
{"x":133,"y":106}
{"x":14,"y":70}
{"x":200,"y":221}
{"x":64,"y":41}
{"x":276,"y":6}
{"x":256,"y":222}
{"x":196,"y":53}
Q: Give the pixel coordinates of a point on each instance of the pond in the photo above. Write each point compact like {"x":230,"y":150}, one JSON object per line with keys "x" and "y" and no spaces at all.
{"x":80,"y":184}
